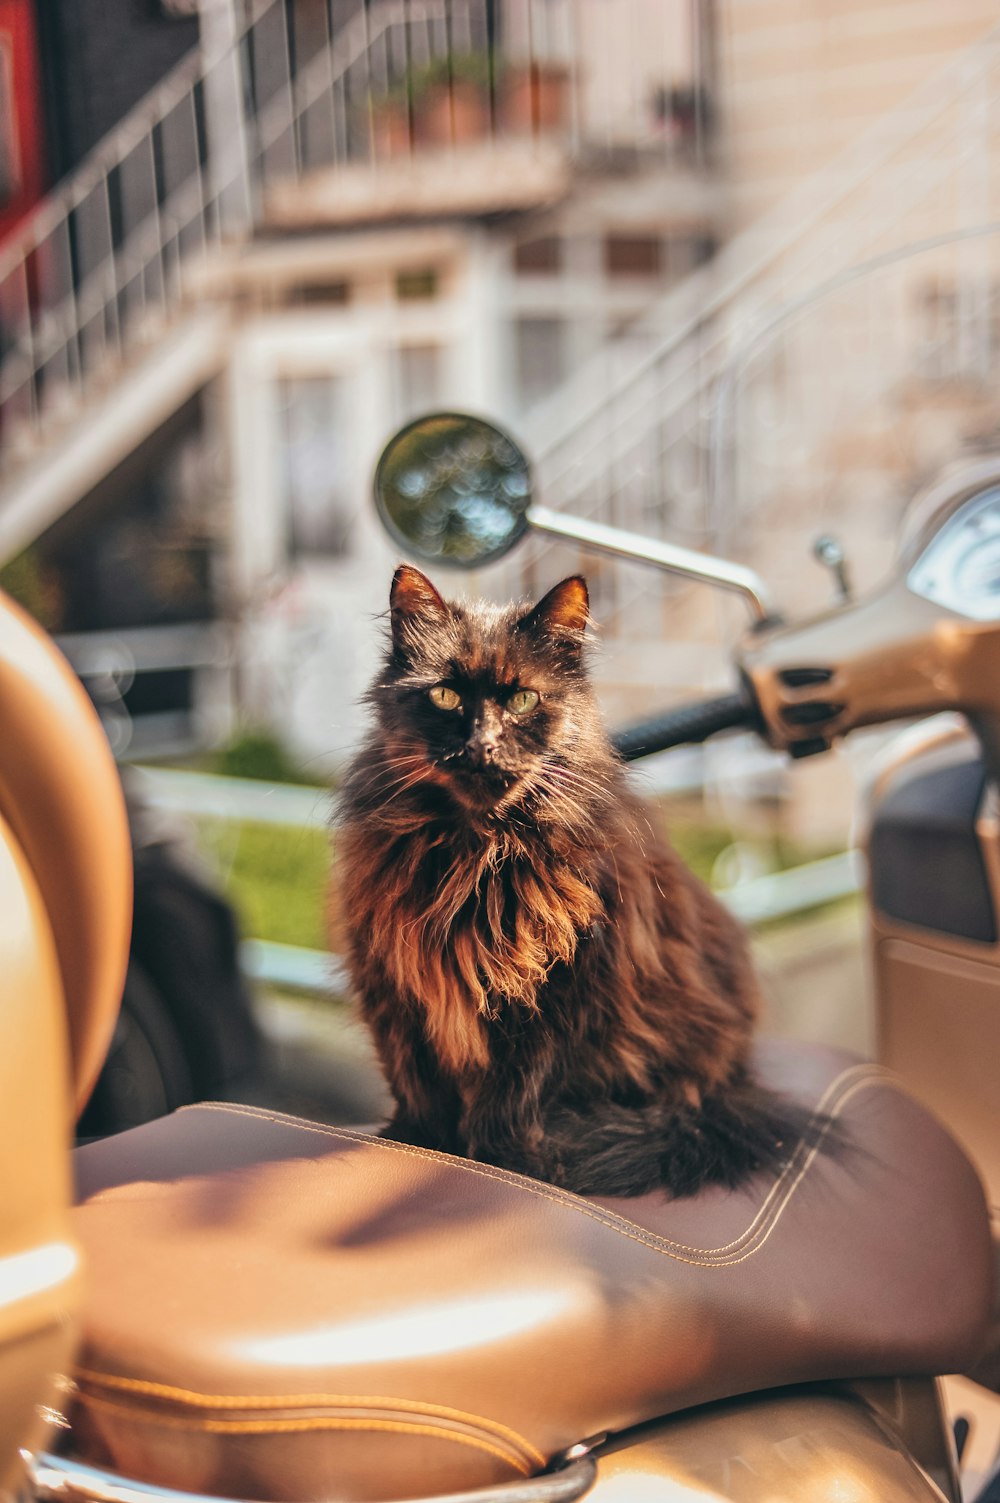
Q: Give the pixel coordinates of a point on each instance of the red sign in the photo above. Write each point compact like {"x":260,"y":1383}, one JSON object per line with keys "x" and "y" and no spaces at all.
{"x":22,"y":161}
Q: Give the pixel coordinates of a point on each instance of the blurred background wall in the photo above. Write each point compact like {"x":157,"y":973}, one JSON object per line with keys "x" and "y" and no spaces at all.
{"x":727,"y":267}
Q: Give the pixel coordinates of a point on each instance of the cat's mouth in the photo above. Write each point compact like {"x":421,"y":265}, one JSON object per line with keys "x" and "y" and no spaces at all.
{"x":481,"y":787}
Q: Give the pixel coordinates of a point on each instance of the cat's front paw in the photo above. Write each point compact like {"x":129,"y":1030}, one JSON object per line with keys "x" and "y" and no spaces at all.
{"x":403,"y":1129}
{"x":524,"y":1157}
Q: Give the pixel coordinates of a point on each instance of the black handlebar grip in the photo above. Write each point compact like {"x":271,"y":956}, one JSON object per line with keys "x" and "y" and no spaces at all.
{"x":686,"y":726}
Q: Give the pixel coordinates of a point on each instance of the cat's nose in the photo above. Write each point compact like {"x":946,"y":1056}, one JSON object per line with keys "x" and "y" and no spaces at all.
{"x":481,"y":750}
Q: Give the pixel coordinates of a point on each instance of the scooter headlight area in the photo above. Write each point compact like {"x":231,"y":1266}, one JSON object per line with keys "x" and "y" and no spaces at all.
{"x":960,"y":566}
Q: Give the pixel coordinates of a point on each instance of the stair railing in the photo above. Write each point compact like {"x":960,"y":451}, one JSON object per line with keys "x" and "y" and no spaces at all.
{"x":103,"y":262}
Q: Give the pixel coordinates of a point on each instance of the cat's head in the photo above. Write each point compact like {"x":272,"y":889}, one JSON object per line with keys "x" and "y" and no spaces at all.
{"x":488,"y":700}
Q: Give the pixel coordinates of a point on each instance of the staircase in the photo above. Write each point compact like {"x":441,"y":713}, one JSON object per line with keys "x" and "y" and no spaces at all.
{"x":104,"y":326}
{"x":103,"y":333}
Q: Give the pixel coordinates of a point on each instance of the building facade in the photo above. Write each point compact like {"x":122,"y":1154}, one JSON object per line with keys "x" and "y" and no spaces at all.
{"x":656,"y":240}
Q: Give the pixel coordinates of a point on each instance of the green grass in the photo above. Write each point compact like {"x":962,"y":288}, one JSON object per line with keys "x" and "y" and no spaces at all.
{"x":698,"y":845}
{"x":255,"y":754}
{"x":700,"y":841}
{"x":275,"y":877}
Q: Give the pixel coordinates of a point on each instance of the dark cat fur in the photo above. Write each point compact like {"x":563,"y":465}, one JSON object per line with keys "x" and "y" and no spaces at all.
{"x":549,"y":989}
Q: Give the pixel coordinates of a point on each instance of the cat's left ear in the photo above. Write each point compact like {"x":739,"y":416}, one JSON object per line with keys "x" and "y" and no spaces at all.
{"x":562,"y":613}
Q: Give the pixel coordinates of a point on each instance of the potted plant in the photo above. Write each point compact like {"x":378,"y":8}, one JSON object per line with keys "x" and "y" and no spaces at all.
{"x":533,"y":98}
{"x":441,"y":102}
{"x":451,"y":99}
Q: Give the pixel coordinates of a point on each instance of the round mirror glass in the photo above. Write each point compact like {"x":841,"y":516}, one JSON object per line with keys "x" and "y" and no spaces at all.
{"x":451,"y":489}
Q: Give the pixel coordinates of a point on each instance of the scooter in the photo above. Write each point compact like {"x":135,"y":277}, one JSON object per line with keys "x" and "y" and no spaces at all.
{"x":249,"y":1305}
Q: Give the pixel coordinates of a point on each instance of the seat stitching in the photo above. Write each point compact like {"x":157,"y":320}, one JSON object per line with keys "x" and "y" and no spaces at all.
{"x":292,"y":1426}
{"x":859,"y":1086}
{"x":307,"y":1400}
{"x":847,"y":1084}
{"x":841,"y":1089}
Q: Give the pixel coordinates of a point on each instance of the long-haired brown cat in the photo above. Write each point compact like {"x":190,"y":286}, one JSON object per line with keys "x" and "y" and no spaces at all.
{"x":549,"y":989}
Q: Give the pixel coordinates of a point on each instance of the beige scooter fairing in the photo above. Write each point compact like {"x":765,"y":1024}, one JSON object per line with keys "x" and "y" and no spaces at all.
{"x":65,"y":903}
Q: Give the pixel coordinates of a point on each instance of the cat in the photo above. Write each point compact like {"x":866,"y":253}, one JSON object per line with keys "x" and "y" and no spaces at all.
{"x":549,"y":989}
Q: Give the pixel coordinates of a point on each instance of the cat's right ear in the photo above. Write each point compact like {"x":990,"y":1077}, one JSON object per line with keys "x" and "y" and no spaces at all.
{"x":412,"y":600}
{"x":562,"y":614}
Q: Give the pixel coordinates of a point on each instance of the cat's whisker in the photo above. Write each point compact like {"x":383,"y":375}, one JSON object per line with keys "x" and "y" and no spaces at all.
{"x":573,"y":780}
{"x":380,"y":794}
{"x":385,"y":757}
{"x":404,"y":784}
{"x":400,"y":767}
{"x":379,"y":785}
{"x":574,"y":776}
{"x":566,"y":811}
{"x":568,"y":808}
{"x":576,"y":783}
{"x":565,"y":787}
{"x":392,"y":763}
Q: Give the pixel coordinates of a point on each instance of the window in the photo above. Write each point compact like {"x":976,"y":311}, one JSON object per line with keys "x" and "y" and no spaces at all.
{"x":686,"y":252}
{"x":540,"y":257}
{"x":315,"y":469}
{"x":328,"y":294}
{"x":416,"y":286}
{"x":632,"y":256}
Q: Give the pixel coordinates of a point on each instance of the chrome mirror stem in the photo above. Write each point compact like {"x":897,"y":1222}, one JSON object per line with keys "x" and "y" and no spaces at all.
{"x":703,"y":566}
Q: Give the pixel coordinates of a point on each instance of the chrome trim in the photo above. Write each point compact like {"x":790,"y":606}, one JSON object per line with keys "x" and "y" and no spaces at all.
{"x":60,"y":1479}
{"x":686,"y":561}
{"x":578,"y":1451}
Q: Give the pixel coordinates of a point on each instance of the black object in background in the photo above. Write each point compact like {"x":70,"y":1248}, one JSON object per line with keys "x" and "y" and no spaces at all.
{"x":186,"y":1031}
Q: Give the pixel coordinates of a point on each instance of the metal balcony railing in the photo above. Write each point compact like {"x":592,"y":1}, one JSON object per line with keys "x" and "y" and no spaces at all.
{"x":104,"y":263}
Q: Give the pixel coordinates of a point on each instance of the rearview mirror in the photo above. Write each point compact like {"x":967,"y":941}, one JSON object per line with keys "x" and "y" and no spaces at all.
{"x":453,"y":489}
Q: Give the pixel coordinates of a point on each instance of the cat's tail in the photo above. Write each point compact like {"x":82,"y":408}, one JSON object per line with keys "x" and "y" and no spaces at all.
{"x":726,"y":1141}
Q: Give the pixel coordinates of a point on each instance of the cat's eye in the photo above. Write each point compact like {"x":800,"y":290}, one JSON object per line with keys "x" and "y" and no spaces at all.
{"x":522,"y":702}
{"x":444,"y":698}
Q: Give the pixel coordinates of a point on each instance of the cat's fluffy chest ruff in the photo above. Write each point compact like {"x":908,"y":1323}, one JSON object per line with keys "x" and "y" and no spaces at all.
{"x":500,"y":910}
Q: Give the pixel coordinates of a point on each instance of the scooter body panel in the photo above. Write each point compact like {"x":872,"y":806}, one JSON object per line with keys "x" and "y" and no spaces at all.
{"x":933,"y":844}
{"x":805,"y":1446}
{"x":885,"y":1442}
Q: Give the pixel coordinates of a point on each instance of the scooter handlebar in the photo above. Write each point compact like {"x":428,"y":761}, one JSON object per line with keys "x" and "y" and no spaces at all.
{"x":687,"y":725}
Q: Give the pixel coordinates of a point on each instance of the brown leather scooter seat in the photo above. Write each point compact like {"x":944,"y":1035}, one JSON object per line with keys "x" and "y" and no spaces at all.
{"x":284,"y":1310}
